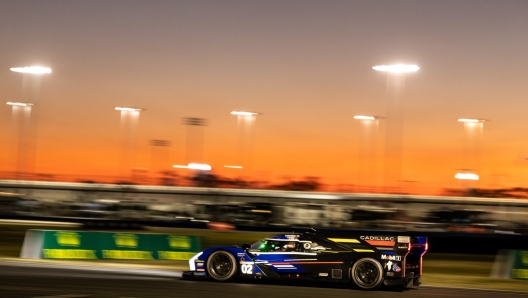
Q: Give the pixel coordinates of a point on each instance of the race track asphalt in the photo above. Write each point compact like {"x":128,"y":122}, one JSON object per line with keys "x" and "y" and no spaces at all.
{"x":32,"y":280}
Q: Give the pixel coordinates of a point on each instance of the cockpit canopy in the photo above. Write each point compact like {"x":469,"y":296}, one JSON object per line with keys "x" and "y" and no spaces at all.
{"x":285,"y":243}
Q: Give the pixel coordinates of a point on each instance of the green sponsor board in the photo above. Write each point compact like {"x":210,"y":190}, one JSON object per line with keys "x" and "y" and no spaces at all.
{"x":520,"y":265}
{"x":108,"y":245}
{"x":126,"y":246}
{"x":173,"y":247}
{"x":69,"y":245}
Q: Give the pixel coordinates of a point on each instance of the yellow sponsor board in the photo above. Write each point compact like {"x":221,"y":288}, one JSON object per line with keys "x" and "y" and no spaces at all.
{"x":127,"y":254}
{"x":175,"y":255}
{"x":524,"y":257}
{"x":69,"y":254}
{"x":520,"y":273}
{"x":182,"y":242}
{"x":68,"y":238}
{"x":126,"y":240}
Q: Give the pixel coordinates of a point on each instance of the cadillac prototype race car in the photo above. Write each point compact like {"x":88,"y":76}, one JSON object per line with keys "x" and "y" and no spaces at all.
{"x":368,"y":261}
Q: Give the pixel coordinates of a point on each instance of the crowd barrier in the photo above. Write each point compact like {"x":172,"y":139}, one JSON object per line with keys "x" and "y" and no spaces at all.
{"x":56,"y":244}
{"x":510,"y":264}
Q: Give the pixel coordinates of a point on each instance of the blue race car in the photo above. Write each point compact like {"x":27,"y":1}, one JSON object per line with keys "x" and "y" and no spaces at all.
{"x":369,"y":261}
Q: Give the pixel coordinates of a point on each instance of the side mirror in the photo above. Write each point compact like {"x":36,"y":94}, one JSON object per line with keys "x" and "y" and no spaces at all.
{"x":245,"y":246}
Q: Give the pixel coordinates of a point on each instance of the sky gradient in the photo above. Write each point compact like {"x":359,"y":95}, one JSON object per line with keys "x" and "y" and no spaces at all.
{"x":305,"y":65}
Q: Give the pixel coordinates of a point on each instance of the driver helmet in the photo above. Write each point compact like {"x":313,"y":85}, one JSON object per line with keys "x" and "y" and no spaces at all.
{"x":289,"y":245}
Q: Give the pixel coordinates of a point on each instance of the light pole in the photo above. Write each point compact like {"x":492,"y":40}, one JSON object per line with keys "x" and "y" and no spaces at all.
{"x":244,"y":153}
{"x":394,"y":128}
{"x":21,"y":121}
{"x":368,"y":151}
{"x":129,"y":123}
{"x":473,"y":130}
{"x":25,"y":130}
{"x":158,"y":157}
{"x":195,"y":139}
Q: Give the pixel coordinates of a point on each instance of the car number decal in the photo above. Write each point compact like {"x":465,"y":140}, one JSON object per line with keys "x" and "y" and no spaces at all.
{"x":246,"y":268}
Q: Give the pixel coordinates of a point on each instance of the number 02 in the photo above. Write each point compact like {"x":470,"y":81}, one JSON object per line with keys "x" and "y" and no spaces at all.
{"x":246,"y":268}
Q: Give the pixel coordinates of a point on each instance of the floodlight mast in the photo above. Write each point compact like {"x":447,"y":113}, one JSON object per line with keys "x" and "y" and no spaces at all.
{"x":365,"y":117}
{"x":233,"y":167}
{"x":393,"y":165}
{"x":471,"y":120}
{"x":129,"y":109}
{"x":467,"y":176}
{"x":24,"y":163}
{"x":31,"y":69}
{"x":397,"y":68}
{"x":194,"y":166}
{"x":243,"y":113}
{"x":20,"y":104}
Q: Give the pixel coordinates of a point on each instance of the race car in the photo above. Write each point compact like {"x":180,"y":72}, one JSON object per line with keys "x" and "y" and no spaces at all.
{"x":368,"y":261}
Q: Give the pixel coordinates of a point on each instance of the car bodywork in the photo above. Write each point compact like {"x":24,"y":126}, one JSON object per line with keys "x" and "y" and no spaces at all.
{"x":367,"y":260}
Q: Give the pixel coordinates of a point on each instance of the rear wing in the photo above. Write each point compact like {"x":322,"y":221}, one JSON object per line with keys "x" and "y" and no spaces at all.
{"x":400,"y":245}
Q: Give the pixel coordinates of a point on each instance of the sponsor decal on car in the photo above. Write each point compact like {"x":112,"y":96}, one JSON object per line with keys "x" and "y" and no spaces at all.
{"x":391,"y":258}
{"x":404,"y":239}
{"x":396,"y":268}
{"x":379,"y":238}
{"x":388,"y":265}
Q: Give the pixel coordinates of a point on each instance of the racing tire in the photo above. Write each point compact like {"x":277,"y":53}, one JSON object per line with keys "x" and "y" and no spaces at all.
{"x":221,"y":266}
{"x":367,"y":274}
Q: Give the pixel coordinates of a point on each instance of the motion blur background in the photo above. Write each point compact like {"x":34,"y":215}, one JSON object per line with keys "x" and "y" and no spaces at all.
{"x":138,"y":91}
{"x":266,"y":116}
{"x":305,"y":66}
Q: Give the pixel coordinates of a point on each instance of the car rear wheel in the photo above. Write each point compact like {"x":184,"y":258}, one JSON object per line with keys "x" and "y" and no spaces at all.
{"x":221,"y":266}
{"x":367,"y":274}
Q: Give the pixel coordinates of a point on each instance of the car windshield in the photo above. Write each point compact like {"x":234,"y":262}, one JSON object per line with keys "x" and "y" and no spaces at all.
{"x":273,"y":245}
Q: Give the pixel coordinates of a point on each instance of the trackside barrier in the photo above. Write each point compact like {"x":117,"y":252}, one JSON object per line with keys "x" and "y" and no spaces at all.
{"x":50,"y":244}
{"x":511,"y":264}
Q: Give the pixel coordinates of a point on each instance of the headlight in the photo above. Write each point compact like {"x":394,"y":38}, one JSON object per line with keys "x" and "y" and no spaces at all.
{"x":192,"y":266}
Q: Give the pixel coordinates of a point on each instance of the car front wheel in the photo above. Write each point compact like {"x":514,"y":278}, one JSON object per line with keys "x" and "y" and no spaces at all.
{"x":221,"y":266}
{"x":367,"y":274}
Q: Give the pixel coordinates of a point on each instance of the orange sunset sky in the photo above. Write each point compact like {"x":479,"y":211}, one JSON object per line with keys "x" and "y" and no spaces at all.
{"x":305,"y":65}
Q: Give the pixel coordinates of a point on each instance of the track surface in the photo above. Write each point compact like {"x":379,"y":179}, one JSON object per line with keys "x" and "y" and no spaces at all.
{"x":23,"y":280}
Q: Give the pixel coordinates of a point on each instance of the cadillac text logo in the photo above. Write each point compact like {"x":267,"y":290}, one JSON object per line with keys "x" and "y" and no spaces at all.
{"x":380,"y":238}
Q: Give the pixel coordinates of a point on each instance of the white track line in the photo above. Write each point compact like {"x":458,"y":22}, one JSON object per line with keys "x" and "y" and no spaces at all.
{"x":474,"y":289}
{"x":120,"y":270}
